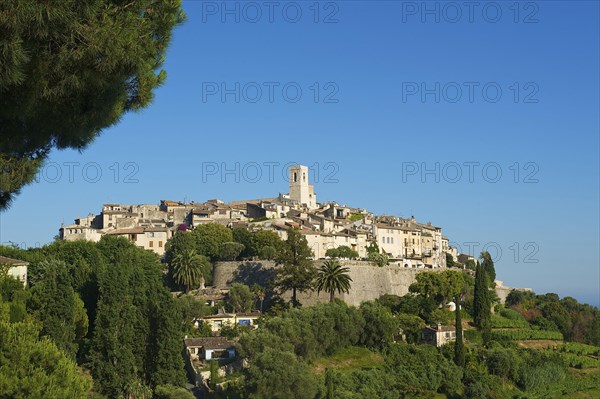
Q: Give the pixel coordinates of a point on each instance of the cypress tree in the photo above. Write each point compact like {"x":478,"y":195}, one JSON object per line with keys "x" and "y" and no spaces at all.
{"x":488,"y":266}
{"x":459,"y":346}
{"x":481,"y":304}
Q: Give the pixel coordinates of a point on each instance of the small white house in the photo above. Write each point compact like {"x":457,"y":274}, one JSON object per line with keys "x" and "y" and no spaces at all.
{"x":209,"y":348}
{"x":16,"y":268}
{"x":217,"y":321}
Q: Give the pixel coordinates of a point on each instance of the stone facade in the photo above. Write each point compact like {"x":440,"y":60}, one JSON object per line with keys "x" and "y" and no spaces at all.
{"x":325,"y":225}
{"x":368,"y":282}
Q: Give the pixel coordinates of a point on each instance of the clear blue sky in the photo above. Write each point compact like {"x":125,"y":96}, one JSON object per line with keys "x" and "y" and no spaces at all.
{"x":370,"y":126}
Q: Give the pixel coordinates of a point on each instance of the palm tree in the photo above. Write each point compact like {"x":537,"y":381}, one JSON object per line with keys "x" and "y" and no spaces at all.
{"x":188,"y":269}
{"x":333,"y":277}
{"x":260,"y":294}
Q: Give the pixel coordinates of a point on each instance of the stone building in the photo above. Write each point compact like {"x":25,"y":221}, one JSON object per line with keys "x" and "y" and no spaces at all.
{"x":438,"y":335}
{"x":325,"y":226}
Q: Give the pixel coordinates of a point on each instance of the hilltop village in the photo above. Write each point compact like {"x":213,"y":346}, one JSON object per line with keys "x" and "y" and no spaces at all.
{"x":327,"y":225}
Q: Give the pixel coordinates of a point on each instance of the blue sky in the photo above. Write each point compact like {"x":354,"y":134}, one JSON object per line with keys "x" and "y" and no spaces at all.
{"x":500,"y":105}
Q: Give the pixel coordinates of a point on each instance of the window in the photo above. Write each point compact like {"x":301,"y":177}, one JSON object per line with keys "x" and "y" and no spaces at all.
{"x":151,"y":244}
{"x":160,"y":243}
{"x":392,"y":240}
{"x":295,"y":177}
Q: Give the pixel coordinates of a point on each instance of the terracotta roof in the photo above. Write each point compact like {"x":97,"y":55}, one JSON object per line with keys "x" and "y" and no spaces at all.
{"x":387,"y":226}
{"x":220,"y":316}
{"x":202,"y":211}
{"x":209,"y":342}
{"x":248,"y":314}
{"x":441,"y":328}
{"x":9,"y":261}
{"x":134,"y":230}
{"x":157,"y":229}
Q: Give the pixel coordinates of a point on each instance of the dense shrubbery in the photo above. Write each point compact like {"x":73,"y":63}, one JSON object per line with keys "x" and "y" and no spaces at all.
{"x":342,"y":252}
{"x":526,"y":334}
{"x":300,"y":336}
{"x":309,"y":332}
{"x":105,"y":305}
{"x":499,"y":321}
{"x":577,"y":322}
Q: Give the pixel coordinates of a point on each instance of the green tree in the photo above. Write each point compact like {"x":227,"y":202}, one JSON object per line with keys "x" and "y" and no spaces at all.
{"x":209,"y":238}
{"x":189,"y":269}
{"x":165,"y":342}
{"x":442,"y":286}
{"x":172,"y":392}
{"x":488,"y":265}
{"x":332,"y":253}
{"x":268,"y":253}
{"x":104,"y":61}
{"x":243,"y":236}
{"x":380,"y":325}
{"x":112,"y":357}
{"x":471,"y":264}
{"x":260,"y":294}
{"x":450,"y":261}
{"x":421,"y":371}
{"x":180,"y":243}
{"x":347,"y":252}
{"x":410,"y":325}
{"x":267,"y":244}
{"x":15,"y":297}
{"x":341,"y":252}
{"x":332,"y":277}
{"x":35,"y":368}
{"x":373,"y":248}
{"x":378,"y":259}
{"x":297,"y":270}
{"x":231,"y":250}
{"x":191,"y":310}
{"x":240,"y":298}
{"x":53,"y":302}
{"x":481,"y":304}
{"x":459,"y":345}
{"x":280,"y":375}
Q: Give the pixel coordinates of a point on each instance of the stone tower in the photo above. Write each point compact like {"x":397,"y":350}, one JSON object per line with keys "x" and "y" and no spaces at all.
{"x":300,"y":190}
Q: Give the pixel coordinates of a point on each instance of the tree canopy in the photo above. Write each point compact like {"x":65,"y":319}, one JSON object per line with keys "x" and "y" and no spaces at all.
{"x":296,"y":271}
{"x":69,"y":70}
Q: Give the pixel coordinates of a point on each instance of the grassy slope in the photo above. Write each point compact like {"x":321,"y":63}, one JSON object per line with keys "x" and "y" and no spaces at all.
{"x":348,"y":360}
